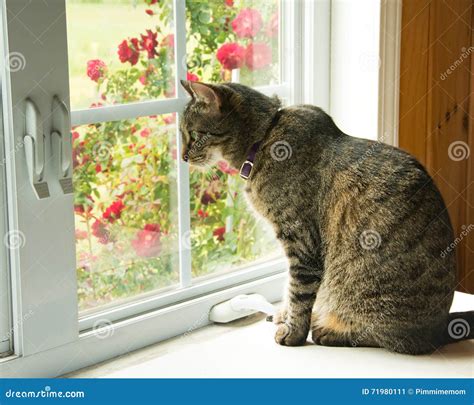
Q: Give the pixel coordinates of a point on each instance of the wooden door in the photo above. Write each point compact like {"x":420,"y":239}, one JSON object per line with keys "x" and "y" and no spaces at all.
{"x":435,"y":119}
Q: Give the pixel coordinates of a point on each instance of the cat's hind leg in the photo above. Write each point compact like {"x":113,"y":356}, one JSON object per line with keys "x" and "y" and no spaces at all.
{"x":330,"y":330}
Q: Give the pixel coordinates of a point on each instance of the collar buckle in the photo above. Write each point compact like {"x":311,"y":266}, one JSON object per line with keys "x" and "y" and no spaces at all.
{"x":246,"y":169}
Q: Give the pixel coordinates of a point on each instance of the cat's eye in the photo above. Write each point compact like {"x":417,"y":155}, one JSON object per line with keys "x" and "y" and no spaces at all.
{"x":194,"y":135}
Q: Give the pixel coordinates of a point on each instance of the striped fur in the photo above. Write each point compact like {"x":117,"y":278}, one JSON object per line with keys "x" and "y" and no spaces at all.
{"x":334,"y":192}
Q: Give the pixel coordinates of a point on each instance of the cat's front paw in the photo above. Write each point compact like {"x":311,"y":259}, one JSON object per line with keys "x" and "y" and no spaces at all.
{"x":280,"y":316}
{"x":286,"y":336}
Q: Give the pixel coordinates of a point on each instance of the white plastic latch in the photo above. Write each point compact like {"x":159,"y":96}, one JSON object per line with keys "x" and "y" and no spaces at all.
{"x":62,"y":144}
{"x":34,"y":140}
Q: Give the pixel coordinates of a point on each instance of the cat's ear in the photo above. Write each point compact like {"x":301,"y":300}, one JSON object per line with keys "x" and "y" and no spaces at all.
{"x":187,"y":86}
{"x":207,"y":94}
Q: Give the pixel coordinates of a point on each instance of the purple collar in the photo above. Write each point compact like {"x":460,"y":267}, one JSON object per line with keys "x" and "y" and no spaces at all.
{"x":247,"y":166}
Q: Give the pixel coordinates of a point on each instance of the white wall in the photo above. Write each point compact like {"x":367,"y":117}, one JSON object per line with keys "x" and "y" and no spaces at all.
{"x":355,"y":26}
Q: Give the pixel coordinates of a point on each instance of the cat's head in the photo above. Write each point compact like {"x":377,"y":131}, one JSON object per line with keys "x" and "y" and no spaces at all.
{"x":219,"y":122}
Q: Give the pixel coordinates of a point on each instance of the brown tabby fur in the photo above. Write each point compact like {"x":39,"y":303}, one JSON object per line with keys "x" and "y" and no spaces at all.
{"x":362,"y":223}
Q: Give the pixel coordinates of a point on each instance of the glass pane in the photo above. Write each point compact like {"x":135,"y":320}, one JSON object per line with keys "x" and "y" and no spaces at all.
{"x":120,"y":51}
{"x":229,"y":41}
{"x":125,"y":208}
{"x":233,"y":40}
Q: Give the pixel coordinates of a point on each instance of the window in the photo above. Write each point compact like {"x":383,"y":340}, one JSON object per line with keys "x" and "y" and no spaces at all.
{"x":145,"y":245}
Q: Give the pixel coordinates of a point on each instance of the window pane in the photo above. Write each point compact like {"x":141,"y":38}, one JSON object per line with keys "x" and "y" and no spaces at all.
{"x":233,"y":40}
{"x":125,"y":208}
{"x":120,"y":51}
{"x":229,"y":41}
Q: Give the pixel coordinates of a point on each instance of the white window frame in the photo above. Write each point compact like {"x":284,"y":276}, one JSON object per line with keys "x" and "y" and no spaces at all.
{"x":305,"y":71}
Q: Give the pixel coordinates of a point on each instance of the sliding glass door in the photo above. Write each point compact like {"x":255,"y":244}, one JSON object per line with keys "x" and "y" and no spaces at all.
{"x":118,"y":242}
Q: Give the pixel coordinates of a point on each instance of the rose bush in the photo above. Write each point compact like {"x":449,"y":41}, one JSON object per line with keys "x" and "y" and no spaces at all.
{"x":125,"y":171}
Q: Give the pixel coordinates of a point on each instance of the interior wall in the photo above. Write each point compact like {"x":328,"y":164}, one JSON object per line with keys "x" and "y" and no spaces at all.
{"x":355,"y":61}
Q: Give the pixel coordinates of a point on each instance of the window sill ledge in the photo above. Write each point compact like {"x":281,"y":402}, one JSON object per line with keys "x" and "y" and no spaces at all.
{"x":246,"y":348}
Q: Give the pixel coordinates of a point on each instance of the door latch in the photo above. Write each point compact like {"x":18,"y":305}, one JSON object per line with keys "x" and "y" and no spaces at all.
{"x":62,"y":144}
{"x":34,"y":141}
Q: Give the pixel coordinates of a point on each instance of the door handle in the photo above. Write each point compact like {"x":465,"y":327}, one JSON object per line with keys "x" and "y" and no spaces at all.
{"x":62,"y":144}
{"x":34,"y":140}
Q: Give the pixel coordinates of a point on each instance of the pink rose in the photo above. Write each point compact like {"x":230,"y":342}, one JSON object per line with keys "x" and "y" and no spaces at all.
{"x":247,"y":23}
{"x":147,"y":241}
{"x":258,"y":55}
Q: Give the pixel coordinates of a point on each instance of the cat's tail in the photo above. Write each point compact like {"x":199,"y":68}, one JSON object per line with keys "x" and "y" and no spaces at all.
{"x":460,"y":327}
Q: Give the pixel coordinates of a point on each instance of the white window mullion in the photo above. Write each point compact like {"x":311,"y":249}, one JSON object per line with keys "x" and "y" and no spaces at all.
{"x":184,"y":213}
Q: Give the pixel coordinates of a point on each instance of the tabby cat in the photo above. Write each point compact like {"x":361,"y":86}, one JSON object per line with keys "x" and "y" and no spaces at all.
{"x":363,"y":225}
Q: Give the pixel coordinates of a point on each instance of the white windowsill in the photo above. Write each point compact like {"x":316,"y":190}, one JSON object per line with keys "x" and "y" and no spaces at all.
{"x":246,"y":348}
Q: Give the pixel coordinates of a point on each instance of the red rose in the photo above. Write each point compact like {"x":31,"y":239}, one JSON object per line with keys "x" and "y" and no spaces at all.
{"x":192,"y":77}
{"x":149,"y":43}
{"x":247,"y":23}
{"x":272,"y":27}
{"x":75,"y":135}
{"x":225,"y":168}
{"x":100,"y":232}
{"x":143,"y":79}
{"x":147,"y":241}
{"x":203,"y":214}
{"x":114,"y":211}
{"x":231,"y":56}
{"x":219,"y":233}
{"x":229,"y":3}
{"x":149,"y":12}
{"x":129,"y":52}
{"x":98,"y":168}
{"x":96,"y":69}
{"x":258,"y":55}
